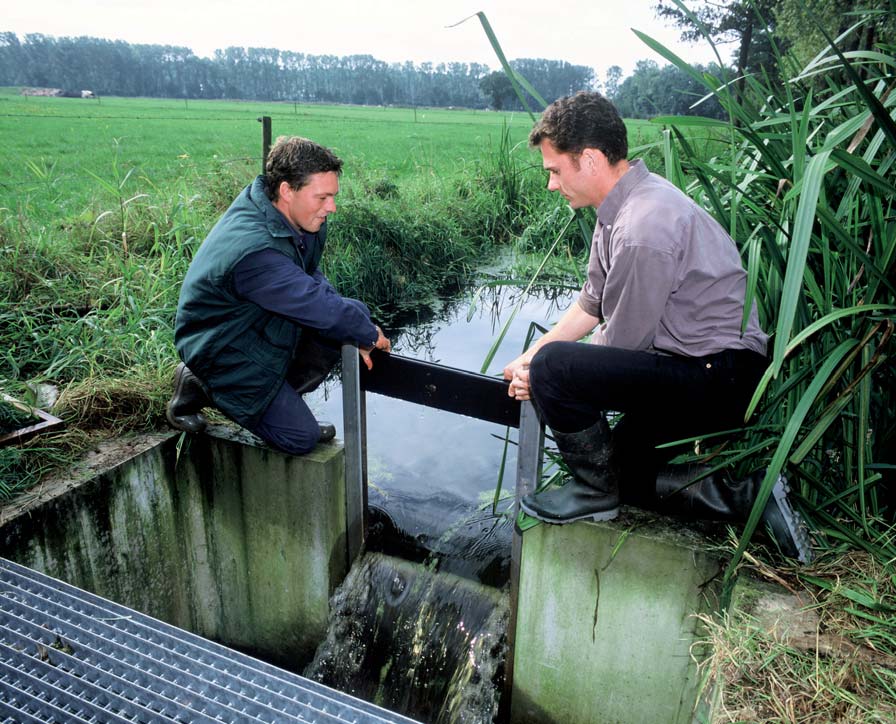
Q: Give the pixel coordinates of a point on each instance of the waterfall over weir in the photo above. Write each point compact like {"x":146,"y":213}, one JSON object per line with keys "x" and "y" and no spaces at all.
{"x":427,"y":645}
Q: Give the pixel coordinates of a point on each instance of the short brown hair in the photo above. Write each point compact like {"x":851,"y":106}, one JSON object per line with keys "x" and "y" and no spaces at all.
{"x":295,"y":159}
{"x":585,"y":120}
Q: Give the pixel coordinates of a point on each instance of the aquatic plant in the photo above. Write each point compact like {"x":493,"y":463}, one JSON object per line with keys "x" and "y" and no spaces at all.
{"x":806,"y":185}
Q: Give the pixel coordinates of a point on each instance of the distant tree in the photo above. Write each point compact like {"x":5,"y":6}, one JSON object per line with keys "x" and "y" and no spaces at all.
{"x":611,"y":83}
{"x":498,"y":89}
{"x":554,"y":79}
{"x":652,"y":91}
{"x":798,"y":20}
{"x":748,"y":24}
{"x":11,"y":59}
{"x":117,"y":68}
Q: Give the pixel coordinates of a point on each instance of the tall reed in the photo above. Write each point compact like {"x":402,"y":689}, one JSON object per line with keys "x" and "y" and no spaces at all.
{"x":806,"y":184}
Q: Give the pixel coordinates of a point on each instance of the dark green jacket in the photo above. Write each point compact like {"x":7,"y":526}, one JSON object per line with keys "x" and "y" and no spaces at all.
{"x":241,"y":351}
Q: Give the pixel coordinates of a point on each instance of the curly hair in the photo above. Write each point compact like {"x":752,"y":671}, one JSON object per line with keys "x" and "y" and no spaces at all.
{"x":585,"y":120}
{"x":295,"y":159}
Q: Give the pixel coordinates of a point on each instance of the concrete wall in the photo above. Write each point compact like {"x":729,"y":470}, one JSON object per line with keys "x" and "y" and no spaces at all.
{"x":211,"y":533}
{"x":606,"y":622}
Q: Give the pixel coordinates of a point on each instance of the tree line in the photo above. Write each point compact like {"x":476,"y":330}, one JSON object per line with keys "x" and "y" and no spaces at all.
{"x":118,"y":68}
{"x":114,"y":67}
{"x":761,"y":37}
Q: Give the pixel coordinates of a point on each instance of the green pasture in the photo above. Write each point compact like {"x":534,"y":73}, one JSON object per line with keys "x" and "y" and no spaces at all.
{"x":51,"y":146}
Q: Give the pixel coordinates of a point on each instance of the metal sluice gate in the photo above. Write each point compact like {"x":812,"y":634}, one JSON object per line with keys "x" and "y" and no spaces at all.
{"x":68,"y":656}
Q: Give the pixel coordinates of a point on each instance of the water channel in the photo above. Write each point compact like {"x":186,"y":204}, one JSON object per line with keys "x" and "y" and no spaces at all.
{"x":419,"y":624}
{"x":430,"y":469}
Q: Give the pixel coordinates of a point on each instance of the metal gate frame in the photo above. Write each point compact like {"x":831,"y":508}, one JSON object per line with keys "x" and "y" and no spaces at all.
{"x":444,"y":388}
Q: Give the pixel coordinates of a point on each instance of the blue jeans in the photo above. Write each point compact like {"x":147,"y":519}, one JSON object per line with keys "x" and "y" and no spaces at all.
{"x":288,"y":424}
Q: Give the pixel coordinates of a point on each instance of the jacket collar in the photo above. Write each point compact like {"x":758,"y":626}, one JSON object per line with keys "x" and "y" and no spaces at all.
{"x":276,"y":223}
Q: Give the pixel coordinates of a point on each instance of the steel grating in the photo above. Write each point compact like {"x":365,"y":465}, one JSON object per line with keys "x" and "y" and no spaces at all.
{"x":68,"y":656}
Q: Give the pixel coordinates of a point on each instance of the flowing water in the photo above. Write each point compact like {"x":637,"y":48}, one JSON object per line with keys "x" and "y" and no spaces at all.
{"x":424,"y":644}
{"x":419,"y":624}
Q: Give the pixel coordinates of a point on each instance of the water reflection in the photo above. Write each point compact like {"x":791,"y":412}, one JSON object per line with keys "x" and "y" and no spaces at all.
{"x":421,"y":452}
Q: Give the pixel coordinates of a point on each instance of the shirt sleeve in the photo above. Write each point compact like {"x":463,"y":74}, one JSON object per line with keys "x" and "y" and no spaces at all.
{"x":591,"y":297}
{"x":641,"y":281}
{"x":273,"y":282}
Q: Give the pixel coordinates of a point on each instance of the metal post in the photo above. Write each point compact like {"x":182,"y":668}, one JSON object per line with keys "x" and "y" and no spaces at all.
{"x":529,"y":455}
{"x":354,"y":425}
{"x":528,"y":474}
{"x":265,"y":140}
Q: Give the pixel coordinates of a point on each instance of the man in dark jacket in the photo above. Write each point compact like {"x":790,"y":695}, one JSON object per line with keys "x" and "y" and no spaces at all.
{"x":257,"y":323}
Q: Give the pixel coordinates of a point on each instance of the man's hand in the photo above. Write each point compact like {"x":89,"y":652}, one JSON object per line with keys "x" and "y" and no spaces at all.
{"x":520,"y":362}
{"x":382,"y":342}
{"x":517,"y":372}
{"x":519,"y":383}
{"x":573,"y":325}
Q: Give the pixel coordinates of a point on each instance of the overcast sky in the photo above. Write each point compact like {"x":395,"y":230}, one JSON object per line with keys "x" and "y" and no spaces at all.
{"x":596,"y":33}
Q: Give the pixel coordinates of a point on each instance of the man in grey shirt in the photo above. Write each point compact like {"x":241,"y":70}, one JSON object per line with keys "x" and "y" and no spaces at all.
{"x":664,"y":304}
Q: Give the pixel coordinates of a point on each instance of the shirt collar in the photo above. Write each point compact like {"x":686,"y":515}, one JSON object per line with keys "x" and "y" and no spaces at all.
{"x":606,"y":212}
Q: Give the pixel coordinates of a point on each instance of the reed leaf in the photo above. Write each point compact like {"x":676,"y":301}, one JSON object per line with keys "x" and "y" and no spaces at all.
{"x":516,"y":79}
{"x":880,"y":113}
{"x":493,"y":350}
{"x":797,"y":254}
{"x":858,"y":166}
{"x":775,"y":467}
{"x":805,"y":334}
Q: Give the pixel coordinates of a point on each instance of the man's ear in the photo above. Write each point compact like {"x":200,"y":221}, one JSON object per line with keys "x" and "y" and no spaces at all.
{"x":284,"y":189}
{"x":589,"y":159}
{"x":595,"y":159}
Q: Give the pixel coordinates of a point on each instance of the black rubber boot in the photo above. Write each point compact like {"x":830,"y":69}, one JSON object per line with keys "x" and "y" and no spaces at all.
{"x":184,"y":410}
{"x":592,"y":492}
{"x":327,"y":431}
{"x":717,"y":497}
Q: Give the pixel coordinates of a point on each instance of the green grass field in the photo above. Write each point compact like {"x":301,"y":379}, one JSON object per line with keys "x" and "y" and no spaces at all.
{"x":53,"y":145}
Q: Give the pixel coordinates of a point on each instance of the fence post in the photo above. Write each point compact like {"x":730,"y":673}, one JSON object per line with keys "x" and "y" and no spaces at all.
{"x":265,"y":140}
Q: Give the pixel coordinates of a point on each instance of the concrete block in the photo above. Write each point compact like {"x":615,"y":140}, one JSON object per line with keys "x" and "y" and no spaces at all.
{"x":214,"y":533}
{"x":606,"y":621}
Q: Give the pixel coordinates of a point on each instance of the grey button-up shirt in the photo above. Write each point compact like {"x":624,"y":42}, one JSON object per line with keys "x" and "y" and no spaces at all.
{"x":663,"y":275}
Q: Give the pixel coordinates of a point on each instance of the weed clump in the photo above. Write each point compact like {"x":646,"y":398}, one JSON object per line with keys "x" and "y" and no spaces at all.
{"x":114,"y":405}
{"x":823,"y":652}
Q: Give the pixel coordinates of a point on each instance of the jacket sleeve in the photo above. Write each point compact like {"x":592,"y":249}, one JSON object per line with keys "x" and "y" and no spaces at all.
{"x":273,"y":282}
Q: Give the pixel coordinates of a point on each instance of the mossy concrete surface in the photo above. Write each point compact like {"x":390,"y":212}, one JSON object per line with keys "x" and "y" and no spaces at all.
{"x":606,"y":621}
{"x":212,"y":533}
